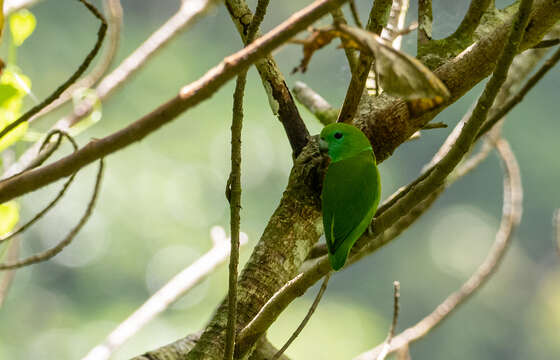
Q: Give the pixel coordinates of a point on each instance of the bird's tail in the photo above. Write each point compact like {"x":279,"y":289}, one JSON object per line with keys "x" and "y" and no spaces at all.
{"x":338,"y":259}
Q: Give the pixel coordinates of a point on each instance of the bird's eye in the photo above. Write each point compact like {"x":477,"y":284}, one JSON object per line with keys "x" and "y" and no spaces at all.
{"x":337,"y":135}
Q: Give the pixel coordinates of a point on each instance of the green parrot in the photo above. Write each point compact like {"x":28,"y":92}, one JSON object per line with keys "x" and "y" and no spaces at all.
{"x":351,"y":189}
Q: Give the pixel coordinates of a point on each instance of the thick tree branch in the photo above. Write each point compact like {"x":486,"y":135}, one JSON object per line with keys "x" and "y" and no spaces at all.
{"x":388,"y":122}
{"x":189,"y":96}
{"x":430,"y":185}
{"x":295,"y":226}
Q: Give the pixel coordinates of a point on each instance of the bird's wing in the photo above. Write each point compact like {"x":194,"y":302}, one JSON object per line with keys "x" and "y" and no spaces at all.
{"x":350,"y":190}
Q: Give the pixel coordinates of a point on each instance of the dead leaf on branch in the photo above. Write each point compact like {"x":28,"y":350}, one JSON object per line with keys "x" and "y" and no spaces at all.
{"x":399,"y":74}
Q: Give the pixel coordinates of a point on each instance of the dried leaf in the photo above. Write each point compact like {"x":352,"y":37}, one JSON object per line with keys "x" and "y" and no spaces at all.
{"x":318,"y":39}
{"x":399,"y":74}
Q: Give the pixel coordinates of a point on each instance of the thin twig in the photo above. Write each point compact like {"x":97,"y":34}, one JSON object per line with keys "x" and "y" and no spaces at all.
{"x":280,"y":99}
{"x":188,"y":97}
{"x":162,"y":299}
{"x":114,"y":20}
{"x":186,"y":15}
{"x":234,"y":183}
{"x":396,"y":307}
{"x":61,"y":193}
{"x":547,"y":43}
{"x":83,"y":66}
{"x":234,"y":186}
{"x":511,"y":216}
{"x":306,"y":318}
{"x":355,"y":15}
{"x":437,"y":125}
{"x":549,"y":64}
{"x":49,"y":253}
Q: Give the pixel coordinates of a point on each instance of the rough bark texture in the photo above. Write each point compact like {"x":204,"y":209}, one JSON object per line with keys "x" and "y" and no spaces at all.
{"x":291,"y":232}
{"x":387,"y":121}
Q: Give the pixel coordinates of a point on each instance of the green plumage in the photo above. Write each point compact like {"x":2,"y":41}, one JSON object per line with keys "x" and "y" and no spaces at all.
{"x":351,"y":189}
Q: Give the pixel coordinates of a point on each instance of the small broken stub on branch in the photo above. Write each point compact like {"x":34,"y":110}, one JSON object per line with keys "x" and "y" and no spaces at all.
{"x":398,"y":74}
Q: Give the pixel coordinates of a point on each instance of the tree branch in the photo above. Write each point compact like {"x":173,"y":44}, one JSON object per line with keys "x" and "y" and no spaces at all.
{"x":49,"y":253}
{"x":315,"y":103}
{"x":425,"y":190}
{"x":387,"y":344}
{"x":549,"y":64}
{"x":162,"y":299}
{"x":114,"y":20}
{"x":81,"y":69}
{"x":279,"y":96}
{"x":234,"y":183}
{"x":471,"y":20}
{"x":189,"y":96}
{"x":187,"y":14}
{"x":305,"y":319}
{"x":511,"y":216}
{"x":60,"y":194}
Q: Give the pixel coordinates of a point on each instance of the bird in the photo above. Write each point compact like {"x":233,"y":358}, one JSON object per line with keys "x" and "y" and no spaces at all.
{"x":351,"y":189}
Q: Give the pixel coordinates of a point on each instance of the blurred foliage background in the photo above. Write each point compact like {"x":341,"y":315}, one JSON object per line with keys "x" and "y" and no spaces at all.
{"x":160,"y":198}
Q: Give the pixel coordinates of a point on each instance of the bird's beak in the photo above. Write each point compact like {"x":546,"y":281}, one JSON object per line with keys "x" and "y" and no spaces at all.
{"x":323,"y":145}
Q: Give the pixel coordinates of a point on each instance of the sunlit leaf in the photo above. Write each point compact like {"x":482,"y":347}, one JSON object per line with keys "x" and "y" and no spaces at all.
{"x":22,"y":24}
{"x":7,"y":91}
{"x":9,"y":216}
{"x":14,"y":77}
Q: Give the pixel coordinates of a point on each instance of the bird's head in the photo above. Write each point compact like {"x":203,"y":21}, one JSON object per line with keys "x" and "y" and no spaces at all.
{"x":341,"y":141}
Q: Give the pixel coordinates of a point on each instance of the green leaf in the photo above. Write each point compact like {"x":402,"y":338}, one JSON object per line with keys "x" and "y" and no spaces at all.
{"x":22,"y":24}
{"x":10,"y":106}
{"x":13,"y":76}
{"x":9,"y":216}
{"x":7,"y":91}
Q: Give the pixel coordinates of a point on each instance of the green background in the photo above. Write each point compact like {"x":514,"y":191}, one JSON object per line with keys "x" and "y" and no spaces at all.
{"x":160,"y":198}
